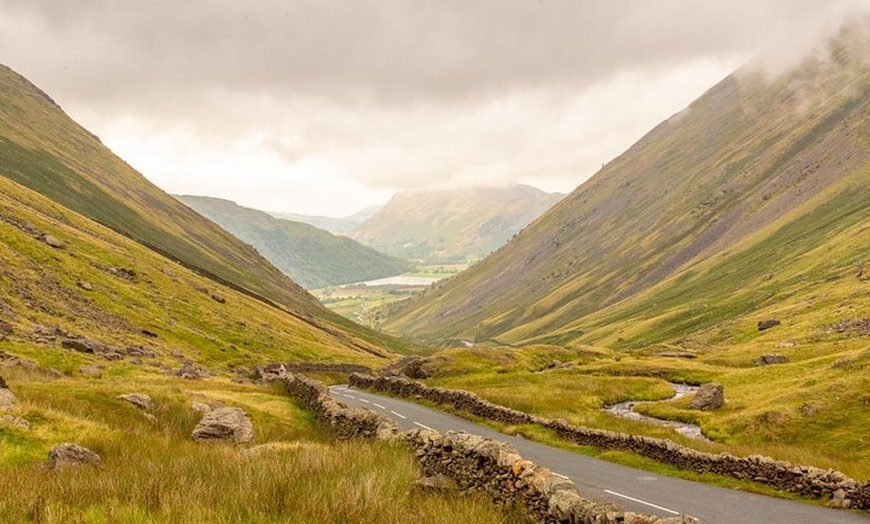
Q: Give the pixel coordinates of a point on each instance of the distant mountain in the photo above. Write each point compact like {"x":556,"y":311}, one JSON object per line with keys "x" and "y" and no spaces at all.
{"x":310,"y":256}
{"x":753,"y":202}
{"x":333,"y":225}
{"x":44,"y":150}
{"x":452,"y":225}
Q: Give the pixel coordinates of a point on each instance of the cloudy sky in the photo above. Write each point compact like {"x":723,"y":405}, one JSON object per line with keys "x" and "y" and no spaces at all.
{"x":327,"y":106}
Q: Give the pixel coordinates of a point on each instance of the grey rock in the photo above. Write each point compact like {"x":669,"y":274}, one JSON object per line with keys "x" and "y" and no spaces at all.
{"x":5,"y":329}
{"x":839,"y":500}
{"x":7,"y":399}
{"x":225,"y":423}
{"x":191,"y":372}
{"x":218,"y":298}
{"x":52,"y":241}
{"x":766,"y":360}
{"x":67,"y":454}
{"x":201,"y":407}
{"x":439,"y":482}
{"x":140,"y":400}
{"x":94,"y":370}
{"x":767,"y":324}
{"x":15,"y":421}
{"x":711,"y":396}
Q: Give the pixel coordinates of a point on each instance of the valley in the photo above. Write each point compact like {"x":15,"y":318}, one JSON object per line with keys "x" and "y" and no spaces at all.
{"x":187,"y":359}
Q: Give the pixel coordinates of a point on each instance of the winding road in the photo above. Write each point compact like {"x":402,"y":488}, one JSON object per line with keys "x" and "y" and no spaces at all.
{"x":632,"y":489}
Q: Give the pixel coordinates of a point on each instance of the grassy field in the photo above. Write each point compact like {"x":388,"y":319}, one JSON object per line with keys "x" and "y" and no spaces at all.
{"x":153,"y":472}
{"x":813,"y":410}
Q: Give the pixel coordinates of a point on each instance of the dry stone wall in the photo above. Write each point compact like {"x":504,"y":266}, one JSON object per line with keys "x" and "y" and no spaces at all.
{"x":805,"y":480}
{"x":475,"y":463}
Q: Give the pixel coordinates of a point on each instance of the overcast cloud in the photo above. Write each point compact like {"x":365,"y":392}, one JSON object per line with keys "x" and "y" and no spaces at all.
{"x":326,"y":106}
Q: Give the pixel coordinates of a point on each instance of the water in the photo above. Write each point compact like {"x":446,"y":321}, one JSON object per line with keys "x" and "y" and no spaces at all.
{"x":400,"y":280}
{"x":626,"y":410}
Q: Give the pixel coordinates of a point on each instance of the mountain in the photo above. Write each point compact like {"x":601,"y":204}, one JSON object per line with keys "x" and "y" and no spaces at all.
{"x":43,"y":149}
{"x":310,"y":256}
{"x":452,"y":225}
{"x":333,"y":225}
{"x":750,"y":203}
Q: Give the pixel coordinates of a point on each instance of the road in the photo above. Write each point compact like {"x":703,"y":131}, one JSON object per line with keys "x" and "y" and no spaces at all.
{"x":632,"y":489}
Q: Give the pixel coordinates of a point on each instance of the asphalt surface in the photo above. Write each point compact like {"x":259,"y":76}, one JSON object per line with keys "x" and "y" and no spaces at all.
{"x":632,"y":489}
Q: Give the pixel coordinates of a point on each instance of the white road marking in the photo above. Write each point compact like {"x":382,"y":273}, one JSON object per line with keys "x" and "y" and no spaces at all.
{"x":403,"y":417}
{"x":348,"y":396}
{"x":560,"y":476}
{"x":641,"y":502}
{"x":364,"y":400}
{"x":375,"y":404}
{"x":423,"y":426}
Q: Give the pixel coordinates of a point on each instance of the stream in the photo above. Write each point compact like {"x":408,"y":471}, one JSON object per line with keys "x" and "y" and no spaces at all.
{"x":626,"y":410}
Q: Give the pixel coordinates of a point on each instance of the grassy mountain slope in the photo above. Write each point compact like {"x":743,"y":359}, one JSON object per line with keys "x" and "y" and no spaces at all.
{"x":45,"y":150}
{"x":742,"y":205}
{"x":161,"y":316}
{"x":333,"y":225}
{"x":452,"y":225}
{"x":310,"y":256}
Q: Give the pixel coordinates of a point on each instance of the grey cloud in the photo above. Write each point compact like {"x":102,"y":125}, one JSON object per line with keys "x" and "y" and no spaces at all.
{"x":384,"y":49}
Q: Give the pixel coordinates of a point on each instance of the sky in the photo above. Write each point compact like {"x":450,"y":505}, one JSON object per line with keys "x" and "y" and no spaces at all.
{"x":328,"y":106}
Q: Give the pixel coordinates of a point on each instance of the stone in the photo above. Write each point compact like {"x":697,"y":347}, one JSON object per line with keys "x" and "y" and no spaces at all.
{"x":67,"y":454}
{"x":122,"y":272}
{"x":767,"y":324}
{"x":77,"y":344}
{"x":218,"y":298}
{"x":5,"y":329}
{"x":190,"y":372}
{"x":767,"y":360}
{"x":140,"y":400}
{"x":15,"y":421}
{"x":199,"y":406}
{"x":94,"y":370}
{"x":271,"y":372}
{"x":439,"y":482}
{"x":225,"y":423}
{"x":711,"y":396}
{"x":85,"y":285}
{"x":839,"y":500}
{"x":52,"y":241}
{"x":7,"y":399}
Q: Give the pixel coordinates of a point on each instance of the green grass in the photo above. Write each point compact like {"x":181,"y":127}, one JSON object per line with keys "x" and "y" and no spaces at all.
{"x":812,"y":410}
{"x":153,"y":472}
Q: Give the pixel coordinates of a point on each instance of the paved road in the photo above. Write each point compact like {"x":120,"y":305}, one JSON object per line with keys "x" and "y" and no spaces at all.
{"x":630,"y":488}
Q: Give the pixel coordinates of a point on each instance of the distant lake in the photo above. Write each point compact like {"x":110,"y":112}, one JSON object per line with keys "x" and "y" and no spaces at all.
{"x":399,"y":281}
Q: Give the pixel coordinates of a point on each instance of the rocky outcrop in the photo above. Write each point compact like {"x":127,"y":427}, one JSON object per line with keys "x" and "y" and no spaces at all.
{"x":94,"y":347}
{"x":140,"y":400}
{"x":711,"y":396}
{"x":191,"y":372}
{"x":12,"y":420}
{"x":7,"y":398}
{"x":473,"y":463}
{"x":807,"y":481}
{"x":767,"y":324}
{"x":68,"y":454}
{"x":227,"y":423}
{"x":767,"y":360}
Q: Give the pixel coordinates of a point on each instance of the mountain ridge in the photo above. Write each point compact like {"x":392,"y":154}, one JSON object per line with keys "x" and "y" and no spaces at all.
{"x":310,"y":256}
{"x":735,"y":161}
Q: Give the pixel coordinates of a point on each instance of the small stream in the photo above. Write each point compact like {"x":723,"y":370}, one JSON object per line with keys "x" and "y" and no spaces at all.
{"x":626,"y":410}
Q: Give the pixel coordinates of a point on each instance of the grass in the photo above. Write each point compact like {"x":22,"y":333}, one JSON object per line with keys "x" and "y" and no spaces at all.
{"x":153,"y":472}
{"x":813,"y":410}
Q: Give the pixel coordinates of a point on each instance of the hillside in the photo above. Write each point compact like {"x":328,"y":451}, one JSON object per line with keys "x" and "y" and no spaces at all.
{"x":750,"y":203}
{"x":46,"y":151}
{"x":452,"y":225}
{"x":310,"y":256}
{"x":333,"y":225}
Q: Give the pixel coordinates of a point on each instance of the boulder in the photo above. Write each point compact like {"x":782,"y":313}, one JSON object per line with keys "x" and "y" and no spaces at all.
{"x":766,"y":360}
{"x":140,"y":400}
{"x":767,"y":324}
{"x":225,"y":423}
{"x":711,"y":396}
{"x":7,"y":399}
{"x":199,"y":406}
{"x":839,"y":500}
{"x":5,"y":329}
{"x":94,"y":370}
{"x":218,"y":298}
{"x":15,"y":421}
{"x":51,"y":241}
{"x":87,"y":286}
{"x":67,"y":454}
{"x":191,"y":372}
{"x":439,"y":482}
